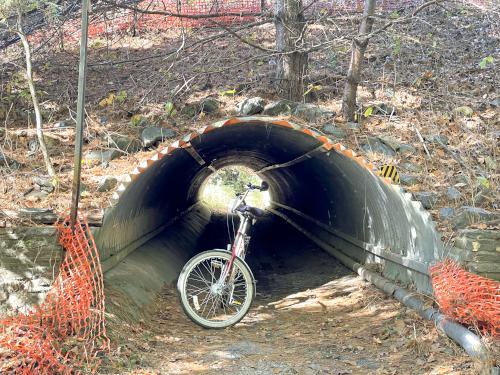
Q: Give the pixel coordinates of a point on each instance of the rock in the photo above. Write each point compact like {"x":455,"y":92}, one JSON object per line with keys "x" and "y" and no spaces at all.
{"x":406,"y":149}
{"x":376,"y":145}
{"x":123,"y":143}
{"x":439,"y":139}
{"x":251,"y":106}
{"x":102,"y":156}
{"x":353,"y":125}
{"x":397,"y":146}
{"x":280,"y":107}
{"x":427,"y":198}
{"x":311,"y":112}
{"x":35,"y":215}
{"x":209,"y":105}
{"x":495,"y":103}
{"x":411,"y":167}
{"x":446,"y":213}
{"x":406,"y":179}
{"x":334,"y":131}
{"x":8,"y":163}
{"x":190,"y":110}
{"x":453,"y":193}
{"x":44,"y":183}
{"x":467,"y":215}
{"x":106,"y":183}
{"x":152,"y":135}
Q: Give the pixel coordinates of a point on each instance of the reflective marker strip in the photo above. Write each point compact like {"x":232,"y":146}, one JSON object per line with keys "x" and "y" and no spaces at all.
{"x":390,"y":172}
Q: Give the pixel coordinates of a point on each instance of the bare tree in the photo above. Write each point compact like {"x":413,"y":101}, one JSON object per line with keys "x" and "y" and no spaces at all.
{"x":18,"y":7}
{"x":359,"y":45}
{"x":290,"y":39}
{"x":34,"y":98}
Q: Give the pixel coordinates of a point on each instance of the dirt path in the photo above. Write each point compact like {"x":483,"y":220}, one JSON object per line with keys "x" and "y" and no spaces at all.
{"x":311,"y":316}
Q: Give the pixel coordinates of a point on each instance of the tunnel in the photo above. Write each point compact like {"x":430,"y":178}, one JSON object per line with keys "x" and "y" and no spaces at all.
{"x":317,"y":187}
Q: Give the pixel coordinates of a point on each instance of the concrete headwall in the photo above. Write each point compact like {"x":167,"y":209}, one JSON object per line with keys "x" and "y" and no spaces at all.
{"x":29,"y":260}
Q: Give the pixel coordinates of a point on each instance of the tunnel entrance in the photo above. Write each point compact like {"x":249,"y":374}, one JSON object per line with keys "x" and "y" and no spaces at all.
{"x":282,"y":259}
{"x":320,"y":188}
{"x":220,"y":188}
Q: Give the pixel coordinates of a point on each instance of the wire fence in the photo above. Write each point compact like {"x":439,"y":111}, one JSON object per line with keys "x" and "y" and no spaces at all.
{"x":65,"y":334}
{"x":468,"y":298}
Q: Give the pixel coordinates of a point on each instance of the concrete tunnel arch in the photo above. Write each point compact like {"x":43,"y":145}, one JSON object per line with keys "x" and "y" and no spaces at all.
{"x":324,"y":189}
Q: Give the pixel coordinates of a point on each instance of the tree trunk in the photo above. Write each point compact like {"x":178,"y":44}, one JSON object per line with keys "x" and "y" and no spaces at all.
{"x":290,"y":36}
{"x":359,"y":45}
{"x":34,"y":99}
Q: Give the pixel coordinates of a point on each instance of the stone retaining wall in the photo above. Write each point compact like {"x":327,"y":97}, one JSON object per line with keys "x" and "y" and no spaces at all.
{"x":29,"y":259}
{"x":479,"y":250}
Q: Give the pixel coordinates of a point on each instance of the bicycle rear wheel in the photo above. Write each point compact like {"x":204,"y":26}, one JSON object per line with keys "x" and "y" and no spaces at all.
{"x":207,"y":299}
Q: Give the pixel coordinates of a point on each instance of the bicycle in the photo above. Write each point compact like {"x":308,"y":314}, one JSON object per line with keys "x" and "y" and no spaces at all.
{"x":217,"y":287}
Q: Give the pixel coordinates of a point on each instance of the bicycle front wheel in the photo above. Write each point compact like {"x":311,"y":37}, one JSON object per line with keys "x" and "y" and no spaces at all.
{"x":213,"y":301}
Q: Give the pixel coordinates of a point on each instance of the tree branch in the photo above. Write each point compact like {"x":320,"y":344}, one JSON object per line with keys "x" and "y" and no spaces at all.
{"x":362,"y":39}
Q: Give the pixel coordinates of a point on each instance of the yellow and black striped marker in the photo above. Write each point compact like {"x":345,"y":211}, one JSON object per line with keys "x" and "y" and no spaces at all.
{"x":390,"y":171}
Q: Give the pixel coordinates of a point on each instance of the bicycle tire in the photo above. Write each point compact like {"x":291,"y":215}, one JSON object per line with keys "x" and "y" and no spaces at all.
{"x":182,"y":285}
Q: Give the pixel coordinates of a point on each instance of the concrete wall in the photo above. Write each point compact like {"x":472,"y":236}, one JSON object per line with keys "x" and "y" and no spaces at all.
{"x":29,"y":259}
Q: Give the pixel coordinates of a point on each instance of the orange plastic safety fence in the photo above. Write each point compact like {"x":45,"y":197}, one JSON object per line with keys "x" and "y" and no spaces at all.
{"x":66,"y":334}
{"x":468,"y":298}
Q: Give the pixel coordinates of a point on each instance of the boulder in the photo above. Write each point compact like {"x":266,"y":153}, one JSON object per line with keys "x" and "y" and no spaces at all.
{"x":8,"y":163}
{"x":280,"y":107}
{"x":190,"y":110}
{"x":427,"y":198}
{"x":436,"y":138}
{"x":123,"y":143}
{"x":411,"y":167}
{"x":150,"y":136}
{"x":406,"y":149}
{"x":453,"y":193}
{"x":446,"y":212}
{"x":44,"y":183}
{"x":101,"y":156}
{"x":106,"y":183}
{"x":353,"y":125}
{"x":209,"y":105}
{"x":376,"y":145}
{"x":251,"y":106}
{"x":312,"y":113}
{"x":467,"y":215}
{"x":406,"y":179}
{"x":334,"y":131}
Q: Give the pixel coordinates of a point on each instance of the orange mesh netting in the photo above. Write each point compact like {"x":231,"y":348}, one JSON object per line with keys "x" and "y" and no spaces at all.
{"x":66,"y":333}
{"x":468,"y":298}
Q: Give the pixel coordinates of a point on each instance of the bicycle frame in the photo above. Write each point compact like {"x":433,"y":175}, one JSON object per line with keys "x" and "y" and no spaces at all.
{"x":238,"y":247}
